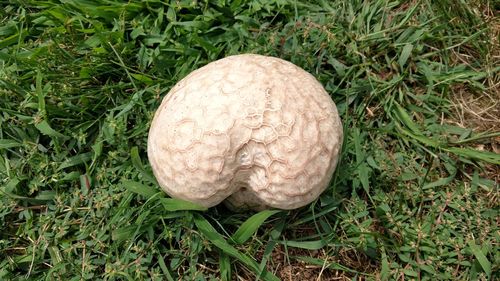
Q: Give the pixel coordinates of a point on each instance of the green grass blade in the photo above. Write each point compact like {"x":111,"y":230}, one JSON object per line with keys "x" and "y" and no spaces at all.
{"x":485,"y":156}
{"x":480,"y":257}
{"x":172,"y":205}
{"x":164,"y":268}
{"x":225,"y":266}
{"x":47,"y":130}
{"x":385,"y":271}
{"x":13,"y":39}
{"x":313,"y":216}
{"x":40,"y":93}
{"x":251,"y":225}
{"x":308,"y":245}
{"x":76,"y":160}
{"x":439,"y":182}
{"x":213,"y":236}
{"x":417,"y":137}
{"x":136,"y":161}
{"x":405,"y":118}
{"x":405,"y":54}
{"x":139,"y":188}
{"x":9,"y":143}
{"x":265,"y":257}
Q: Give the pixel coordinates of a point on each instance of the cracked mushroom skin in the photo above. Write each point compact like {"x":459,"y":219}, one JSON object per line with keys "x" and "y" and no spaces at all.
{"x":254,"y":131}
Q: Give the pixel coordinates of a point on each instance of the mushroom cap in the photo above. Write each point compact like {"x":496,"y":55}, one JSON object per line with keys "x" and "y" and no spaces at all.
{"x":256,"y":131}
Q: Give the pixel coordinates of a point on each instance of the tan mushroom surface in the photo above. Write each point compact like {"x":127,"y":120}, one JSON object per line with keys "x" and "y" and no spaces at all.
{"x":253,"y":131}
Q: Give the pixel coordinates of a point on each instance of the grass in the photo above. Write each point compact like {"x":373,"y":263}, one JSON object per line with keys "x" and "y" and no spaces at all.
{"x":415,"y":196}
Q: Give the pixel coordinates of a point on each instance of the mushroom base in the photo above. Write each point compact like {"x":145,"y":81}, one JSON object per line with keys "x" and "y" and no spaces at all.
{"x":243,"y":200}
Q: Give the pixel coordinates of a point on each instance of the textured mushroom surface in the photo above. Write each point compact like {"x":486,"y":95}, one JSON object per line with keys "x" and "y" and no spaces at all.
{"x":256,"y":131}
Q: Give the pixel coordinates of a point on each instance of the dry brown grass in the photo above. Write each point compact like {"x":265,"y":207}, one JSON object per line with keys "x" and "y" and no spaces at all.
{"x":292,"y":268}
{"x":480,"y":110}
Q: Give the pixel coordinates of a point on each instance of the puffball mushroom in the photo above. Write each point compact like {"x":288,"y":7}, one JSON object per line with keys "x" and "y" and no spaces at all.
{"x":253,"y":131}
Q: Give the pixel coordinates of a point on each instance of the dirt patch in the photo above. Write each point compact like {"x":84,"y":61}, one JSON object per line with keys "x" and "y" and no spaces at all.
{"x":477,"y":111}
{"x":299,"y":264}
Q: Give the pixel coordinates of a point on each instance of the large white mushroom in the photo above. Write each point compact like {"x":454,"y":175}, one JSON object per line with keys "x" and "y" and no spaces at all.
{"x":253,"y":131}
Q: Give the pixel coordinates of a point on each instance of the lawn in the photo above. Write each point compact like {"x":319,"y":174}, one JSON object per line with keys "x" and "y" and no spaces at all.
{"x":415,"y":195}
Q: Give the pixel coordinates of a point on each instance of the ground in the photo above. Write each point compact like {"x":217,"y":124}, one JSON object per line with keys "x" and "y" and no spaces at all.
{"x":415,"y":195}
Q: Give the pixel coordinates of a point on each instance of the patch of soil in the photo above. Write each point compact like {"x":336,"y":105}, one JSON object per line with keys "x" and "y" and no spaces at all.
{"x":287,"y":264}
{"x":478,"y":111}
